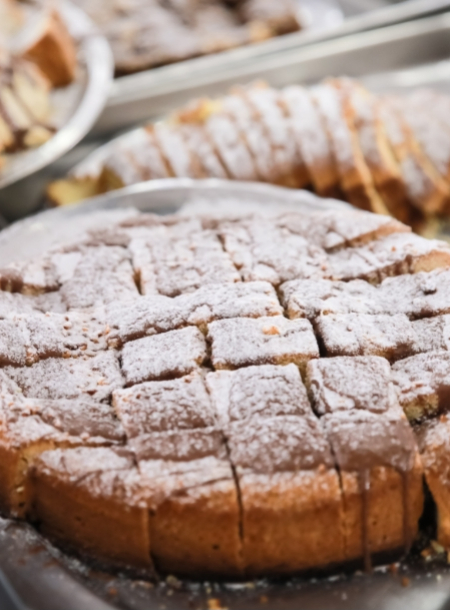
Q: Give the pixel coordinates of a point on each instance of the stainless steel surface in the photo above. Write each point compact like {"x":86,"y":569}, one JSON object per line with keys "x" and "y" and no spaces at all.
{"x":385,"y":60}
{"x":141,"y":96}
{"x":25,"y":174}
{"x":45,"y":579}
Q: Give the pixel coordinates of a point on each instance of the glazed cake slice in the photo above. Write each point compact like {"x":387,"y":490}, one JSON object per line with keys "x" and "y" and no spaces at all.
{"x":376,"y":454}
{"x":82,"y":495}
{"x":312,"y":139}
{"x":423,"y":384}
{"x":241,"y":342}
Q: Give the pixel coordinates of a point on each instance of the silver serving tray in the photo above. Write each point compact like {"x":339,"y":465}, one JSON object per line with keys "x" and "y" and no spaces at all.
{"x":391,"y":59}
{"x":77,"y":107}
{"x":36,"y":576}
{"x":144,"y":95}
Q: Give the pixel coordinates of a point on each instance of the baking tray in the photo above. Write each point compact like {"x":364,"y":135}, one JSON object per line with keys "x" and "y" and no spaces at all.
{"x":139,"y":96}
{"x":39,"y":577}
{"x":77,"y":107}
{"x":390,"y":59}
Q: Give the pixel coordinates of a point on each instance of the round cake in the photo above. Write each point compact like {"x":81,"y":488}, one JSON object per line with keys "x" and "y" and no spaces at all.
{"x":228,"y":396}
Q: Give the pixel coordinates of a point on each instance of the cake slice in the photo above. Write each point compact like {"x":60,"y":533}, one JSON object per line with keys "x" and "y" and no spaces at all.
{"x":193,"y":504}
{"x":290,"y":495}
{"x":425,"y":188}
{"x":47,"y":42}
{"x":202,"y":150}
{"x":314,"y":298}
{"x":355,"y":177}
{"x":163,"y":406}
{"x":70,"y":378}
{"x":257,"y":391}
{"x":254,"y":135}
{"x":268,"y":110}
{"x":375,"y":452}
{"x":153,"y":314}
{"x":82,"y":495}
{"x":423,"y":384}
{"x":241,"y":342}
{"x":376,"y":149}
{"x":433,"y":439}
{"x":395,"y":254}
{"x":179,"y":258}
{"x":30,"y":427}
{"x":172,"y":354}
{"x":389,"y":336}
{"x":267,"y":250}
{"x":311,"y":137}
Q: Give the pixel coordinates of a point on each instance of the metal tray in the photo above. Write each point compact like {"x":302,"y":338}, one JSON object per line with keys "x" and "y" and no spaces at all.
{"x":77,"y":107}
{"x":389,"y":59}
{"x":35,"y":576}
{"x":144,"y":95}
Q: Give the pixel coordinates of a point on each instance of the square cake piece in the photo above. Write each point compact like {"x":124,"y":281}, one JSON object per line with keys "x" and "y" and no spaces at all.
{"x":432,"y":334}
{"x":258,"y":391}
{"x":178,"y":258}
{"x":423,"y":384}
{"x":97,"y":276}
{"x":375,"y":451}
{"x":289,"y":492}
{"x":171,"y":354}
{"x":389,"y":336}
{"x":82,"y":495}
{"x":29,"y":426}
{"x":418,"y":295}
{"x":70,"y":378}
{"x":434,"y":442}
{"x":381,"y":479}
{"x":241,"y":342}
{"x":162,"y":406}
{"x":312,"y":298}
{"x":193,"y":502}
{"x":348,"y":384}
{"x":395,"y":254}
{"x":264,"y":250}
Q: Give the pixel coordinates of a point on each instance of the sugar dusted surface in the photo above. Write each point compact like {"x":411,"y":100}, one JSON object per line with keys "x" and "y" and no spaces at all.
{"x":163,"y":357}
{"x":243,"y":341}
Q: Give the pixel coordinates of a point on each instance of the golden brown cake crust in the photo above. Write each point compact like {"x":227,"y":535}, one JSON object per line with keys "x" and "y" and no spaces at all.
{"x":221,"y":392}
